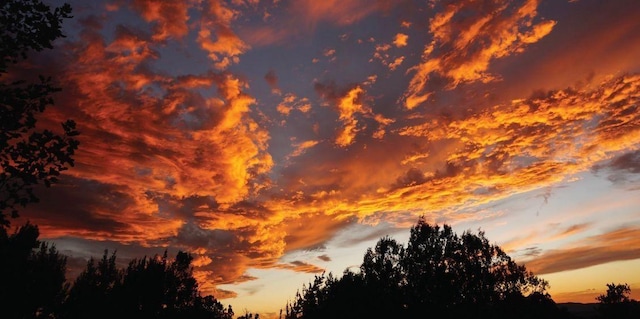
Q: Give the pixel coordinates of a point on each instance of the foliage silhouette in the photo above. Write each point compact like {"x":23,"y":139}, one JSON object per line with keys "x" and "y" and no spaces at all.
{"x":32,"y":282}
{"x":249,"y":315}
{"x":438,"y":272}
{"x":27,"y":155}
{"x":616,"y":303}
{"x":147,"y":288}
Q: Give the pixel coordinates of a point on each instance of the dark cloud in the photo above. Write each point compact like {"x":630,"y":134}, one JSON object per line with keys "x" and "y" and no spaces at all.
{"x":272,"y":80}
{"x":628,"y":162}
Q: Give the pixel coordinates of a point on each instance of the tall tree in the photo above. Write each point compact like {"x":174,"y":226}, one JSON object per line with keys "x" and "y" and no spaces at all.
{"x":27,"y":155}
{"x":32,"y":275}
{"x":382,"y":273}
{"x":95,"y":288}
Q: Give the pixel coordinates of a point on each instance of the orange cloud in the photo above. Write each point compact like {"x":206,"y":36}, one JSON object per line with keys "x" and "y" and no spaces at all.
{"x":467,"y":37}
{"x":302,"y":147}
{"x":382,"y":54}
{"x":227,"y":46}
{"x":292,"y":102}
{"x":400,"y":40}
{"x":158,"y":139}
{"x":350,"y":104}
{"x":300,"y":266}
{"x":333,"y":11}
{"x":551,"y":235}
{"x":171,"y":17}
{"x":347,"y":107}
{"x":304,"y":16}
{"x":620,"y":244}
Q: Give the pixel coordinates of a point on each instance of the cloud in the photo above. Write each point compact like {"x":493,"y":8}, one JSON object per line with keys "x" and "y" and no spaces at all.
{"x":300,"y":148}
{"x":620,"y":168}
{"x":333,"y":11}
{"x":382,"y":54}
{"x":292,"y":102}
{"x":227,"y":46}
{"x":400,"y":40}
{"x":467,"y":37}
{"x":151,"y":129}
{"x":305,"y":16}
{"x":97,"y":212}
{"x":186,"y":156}
{"x":627,"y":162}
{"x":272,"y":80}
{"x":619,"y":244}
{"x":396,"y":63}
{"x":171,"y":17}
{"x":349,"y":104}
{"x":161,"y":154}
{"x":300,"y":266}
{"x":458,"y":164}
{"x":329,"y":52}
{"x":551,"y":234}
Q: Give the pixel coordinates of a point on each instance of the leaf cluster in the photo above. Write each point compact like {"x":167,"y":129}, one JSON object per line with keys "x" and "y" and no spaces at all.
{"x":29,"y":155}
{"x":28,"y":25}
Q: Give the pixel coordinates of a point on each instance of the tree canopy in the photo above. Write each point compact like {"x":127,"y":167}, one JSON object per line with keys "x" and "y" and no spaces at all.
{"x":616,"y":303}
{"x":34,"y":285}
{"x":155,"y":287}
{"x":28,"y":155}
{"x":437,"y":272}
{"x":32,"y":275}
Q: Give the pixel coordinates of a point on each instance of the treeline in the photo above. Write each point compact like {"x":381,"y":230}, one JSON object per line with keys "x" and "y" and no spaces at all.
{"x":441,"y":274}
{"x":438,"y":272}
{"x":33,"y":284}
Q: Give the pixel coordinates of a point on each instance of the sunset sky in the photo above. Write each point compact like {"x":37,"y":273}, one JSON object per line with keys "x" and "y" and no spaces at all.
{"x":279,"y":139}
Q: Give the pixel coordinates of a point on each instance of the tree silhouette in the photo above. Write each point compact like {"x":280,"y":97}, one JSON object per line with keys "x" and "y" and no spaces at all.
{"x":94,"y":289}
{"x":27,"y":155}
{"x":438,"y":272}
{"x":32,"y":275}
{"x":147,"y":288}
{"x":460,"y":273}
{"x":616,"y":303}
{"x":382,"y":273}
{"x":615,"y":294}
{"x":249,"y":315}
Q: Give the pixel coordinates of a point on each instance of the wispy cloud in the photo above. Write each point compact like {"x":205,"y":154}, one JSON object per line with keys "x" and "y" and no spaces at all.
{"x":466,"y":37}
{"x":620,"y":244}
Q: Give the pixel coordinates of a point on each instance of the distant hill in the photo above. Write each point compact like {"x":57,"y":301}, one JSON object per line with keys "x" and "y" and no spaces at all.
{"x":580,"y":310}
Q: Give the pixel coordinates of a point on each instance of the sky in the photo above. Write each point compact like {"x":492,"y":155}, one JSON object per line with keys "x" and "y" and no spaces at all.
{"x":276,"y":140}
